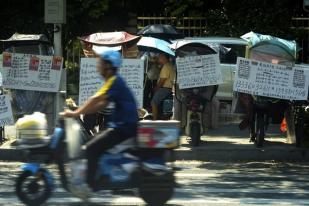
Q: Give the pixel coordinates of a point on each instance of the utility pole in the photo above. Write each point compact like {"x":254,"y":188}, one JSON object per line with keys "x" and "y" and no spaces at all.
{"x":55,"y":13}
{"x":306,"y":8}
{"x":58,"y":39}
{"x":59,"y":100}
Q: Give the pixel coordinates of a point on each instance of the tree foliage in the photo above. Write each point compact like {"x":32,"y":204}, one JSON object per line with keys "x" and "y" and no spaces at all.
{"x":236,"y":17}
{"x":269,"y":17}
{"x":224,"y":17}
{"x":22,"y":17}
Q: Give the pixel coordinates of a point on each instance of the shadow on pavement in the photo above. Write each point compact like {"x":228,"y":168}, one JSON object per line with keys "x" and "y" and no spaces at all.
{"x":251,"y":180}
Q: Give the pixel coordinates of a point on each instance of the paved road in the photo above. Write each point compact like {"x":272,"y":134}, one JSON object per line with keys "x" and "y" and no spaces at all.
{"x":200,"y":183}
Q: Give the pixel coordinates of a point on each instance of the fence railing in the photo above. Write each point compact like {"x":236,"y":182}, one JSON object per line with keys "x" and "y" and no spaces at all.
{"x":189,"y":26}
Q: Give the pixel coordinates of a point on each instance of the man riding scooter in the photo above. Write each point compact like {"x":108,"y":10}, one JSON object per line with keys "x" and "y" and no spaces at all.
{"x":164,"y":85}
{"x":122,"y":123}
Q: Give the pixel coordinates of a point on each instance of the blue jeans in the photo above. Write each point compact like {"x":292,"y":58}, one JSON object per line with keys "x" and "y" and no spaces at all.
{"x":160,"y":95}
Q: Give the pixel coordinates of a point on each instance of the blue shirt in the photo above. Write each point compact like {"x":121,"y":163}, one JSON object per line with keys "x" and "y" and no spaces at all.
{"x":125,"y":112}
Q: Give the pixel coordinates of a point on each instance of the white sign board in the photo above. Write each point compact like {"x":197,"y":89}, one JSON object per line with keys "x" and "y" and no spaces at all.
{"x":132,"y":70}
{"x":271,"y":80}
{"x":198,"y":71}
{"x":31,"y":72}
{"x":89,"y":80}
{"x":6,"y":116}
{"x":55,"y":11}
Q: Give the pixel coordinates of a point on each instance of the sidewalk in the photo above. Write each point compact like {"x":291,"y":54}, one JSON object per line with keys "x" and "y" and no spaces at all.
{"x":227,"y":143}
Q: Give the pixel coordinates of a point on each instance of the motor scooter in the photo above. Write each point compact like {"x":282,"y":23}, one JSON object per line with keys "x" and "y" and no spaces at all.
{"x":260,"y":109}
{"x":137,"y":163}
{"x":196,"y":100}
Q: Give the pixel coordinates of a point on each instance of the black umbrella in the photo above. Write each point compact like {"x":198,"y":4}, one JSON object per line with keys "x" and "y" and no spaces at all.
{"x":161,"y":31}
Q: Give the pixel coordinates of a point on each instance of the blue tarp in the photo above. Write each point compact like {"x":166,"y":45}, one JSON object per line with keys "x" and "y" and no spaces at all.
{"x":258,"y":40}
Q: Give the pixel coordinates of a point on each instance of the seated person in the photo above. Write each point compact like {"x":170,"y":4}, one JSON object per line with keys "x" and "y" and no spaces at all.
{"x":164,"y":85}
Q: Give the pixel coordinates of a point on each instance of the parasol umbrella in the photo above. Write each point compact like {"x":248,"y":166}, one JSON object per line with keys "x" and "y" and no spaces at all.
{"x":116,"y":40}
{"x":154,"y":45}
{"x":161,"y":31}
{"x":187,"y":47}
{"x":110,"y":38}
{"x":24,"y":39}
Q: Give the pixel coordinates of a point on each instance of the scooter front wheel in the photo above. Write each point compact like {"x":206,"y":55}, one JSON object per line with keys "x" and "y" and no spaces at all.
{"x":156,"y":190}
{"x":33,"y":189}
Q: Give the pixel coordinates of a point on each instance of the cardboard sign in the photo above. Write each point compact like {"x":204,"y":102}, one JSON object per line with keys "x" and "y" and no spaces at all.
{"x":89,"y":80}
{"x":6,"y":116}
{"x":132,"y":70}
{"x":31,"y":72}
{"x":198,"y":71}
{"x":271,"y":80}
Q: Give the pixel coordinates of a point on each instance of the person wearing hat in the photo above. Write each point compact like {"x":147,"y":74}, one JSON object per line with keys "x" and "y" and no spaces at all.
{"x":123,"y":121}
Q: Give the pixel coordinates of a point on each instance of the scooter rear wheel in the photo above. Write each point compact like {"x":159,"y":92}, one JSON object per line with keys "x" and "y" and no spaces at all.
{"x":32,"y":190}
{"x":156,"y":190}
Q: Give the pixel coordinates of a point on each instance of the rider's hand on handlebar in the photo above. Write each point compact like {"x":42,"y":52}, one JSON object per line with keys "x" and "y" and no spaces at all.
{"x":69,"y":113}
{"x":70,"y":103}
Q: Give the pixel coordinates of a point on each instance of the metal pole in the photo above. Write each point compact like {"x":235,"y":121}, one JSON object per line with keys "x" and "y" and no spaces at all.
{"x":58,"y":39}
{"x":58,"y":102}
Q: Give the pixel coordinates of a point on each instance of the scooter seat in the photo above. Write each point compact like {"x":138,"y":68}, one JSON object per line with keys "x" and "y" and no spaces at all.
{"x":123,"y":146}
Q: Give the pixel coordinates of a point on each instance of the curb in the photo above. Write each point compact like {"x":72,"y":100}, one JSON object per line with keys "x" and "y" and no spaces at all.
{"x":232,"y":155}
{"x":206,"y":154}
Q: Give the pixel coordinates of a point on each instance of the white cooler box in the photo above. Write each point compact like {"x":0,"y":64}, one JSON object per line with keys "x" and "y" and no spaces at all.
{"x":158,"y":134}
{"x":32,"y":129}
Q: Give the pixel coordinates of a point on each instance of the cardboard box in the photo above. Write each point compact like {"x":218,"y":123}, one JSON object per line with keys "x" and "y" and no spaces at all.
{"x":158,"y":134}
